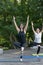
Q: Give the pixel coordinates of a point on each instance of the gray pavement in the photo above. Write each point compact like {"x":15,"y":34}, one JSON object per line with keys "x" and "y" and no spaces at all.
{"x":13,"y":55}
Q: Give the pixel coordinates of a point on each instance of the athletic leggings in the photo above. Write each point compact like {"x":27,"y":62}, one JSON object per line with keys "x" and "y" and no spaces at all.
{"x":38,"y":50}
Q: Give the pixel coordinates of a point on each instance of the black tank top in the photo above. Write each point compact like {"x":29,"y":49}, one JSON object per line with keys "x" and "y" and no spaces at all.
{"x":22,"y":37}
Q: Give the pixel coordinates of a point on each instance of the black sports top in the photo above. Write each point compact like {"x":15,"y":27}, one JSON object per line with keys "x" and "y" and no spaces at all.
{"x":22,"y":37}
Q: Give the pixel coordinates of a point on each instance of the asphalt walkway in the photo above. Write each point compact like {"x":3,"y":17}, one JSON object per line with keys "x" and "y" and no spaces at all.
{"x":11,"y":57}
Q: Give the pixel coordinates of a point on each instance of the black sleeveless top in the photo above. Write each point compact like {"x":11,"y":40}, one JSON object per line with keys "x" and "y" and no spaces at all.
{"x":21,"y":37}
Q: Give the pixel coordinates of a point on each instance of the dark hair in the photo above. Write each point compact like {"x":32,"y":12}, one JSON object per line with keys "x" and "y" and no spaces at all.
{"x":23,"y":27}
{"x":39,"y":29}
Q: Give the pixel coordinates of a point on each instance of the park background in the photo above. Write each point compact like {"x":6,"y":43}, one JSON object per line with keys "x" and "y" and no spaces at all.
{"x":20,"y":9}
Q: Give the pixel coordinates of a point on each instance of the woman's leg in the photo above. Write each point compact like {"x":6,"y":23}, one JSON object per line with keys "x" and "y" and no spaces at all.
{"x":17,"y":44}
{"x":22,"y":50}
{"x":38,"y":50}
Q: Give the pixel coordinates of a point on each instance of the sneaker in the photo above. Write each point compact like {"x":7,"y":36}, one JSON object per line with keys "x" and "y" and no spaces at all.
{"x":21,"y":59}
{"x":37,"y":55}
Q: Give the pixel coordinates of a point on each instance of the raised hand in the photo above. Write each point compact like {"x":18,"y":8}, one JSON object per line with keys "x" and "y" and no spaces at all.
{"x":28,"y":17}
{"x":13,"y":17}
{"x":32,"y":23}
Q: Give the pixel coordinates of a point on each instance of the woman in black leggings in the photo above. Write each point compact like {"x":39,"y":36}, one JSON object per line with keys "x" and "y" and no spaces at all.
{"x":21,"y":34}
{"x":38,"y":36}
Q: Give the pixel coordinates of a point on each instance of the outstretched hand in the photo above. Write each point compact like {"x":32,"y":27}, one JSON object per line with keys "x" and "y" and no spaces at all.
{"x":13,"y":17}
{"x":32,"y":23}
{"x":28,"y":17}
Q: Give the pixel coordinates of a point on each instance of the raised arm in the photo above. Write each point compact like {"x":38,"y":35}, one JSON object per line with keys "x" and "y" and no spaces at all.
{"x":16,"y":24}
{"x":32,"y":27}
{"x":25,"y":29}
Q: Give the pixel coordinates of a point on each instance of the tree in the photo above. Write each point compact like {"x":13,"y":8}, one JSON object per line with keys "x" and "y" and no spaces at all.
{"x":10,"y":8}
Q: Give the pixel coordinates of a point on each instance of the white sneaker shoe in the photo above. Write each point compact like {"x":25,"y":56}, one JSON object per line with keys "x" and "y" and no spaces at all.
{"x":21,"y":59}
{"x":37,"y":55}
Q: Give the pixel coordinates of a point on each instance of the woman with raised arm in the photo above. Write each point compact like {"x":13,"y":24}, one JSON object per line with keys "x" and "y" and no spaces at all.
{"x":38,"y":36}
{"x":21,"y":34}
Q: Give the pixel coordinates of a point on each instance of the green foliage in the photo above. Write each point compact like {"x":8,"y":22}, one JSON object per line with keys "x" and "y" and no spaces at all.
{"x":10,"y":8}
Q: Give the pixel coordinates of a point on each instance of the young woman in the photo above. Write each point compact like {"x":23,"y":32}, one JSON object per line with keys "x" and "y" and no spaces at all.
{"x":21,"y":34}
{"x":38,"y":36}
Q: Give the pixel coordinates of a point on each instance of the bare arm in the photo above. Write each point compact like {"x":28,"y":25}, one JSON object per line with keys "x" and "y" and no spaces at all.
{"x":32,"y":27}
{"x":25,"y":29}
{"x":16,"y":24}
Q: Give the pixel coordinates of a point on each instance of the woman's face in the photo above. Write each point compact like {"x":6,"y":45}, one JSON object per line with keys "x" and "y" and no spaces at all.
{"x":21,"y":26}
{"x":37,"y":30}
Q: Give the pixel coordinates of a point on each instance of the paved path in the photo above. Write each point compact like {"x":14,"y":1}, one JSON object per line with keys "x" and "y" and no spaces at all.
{"x":14,"y":54}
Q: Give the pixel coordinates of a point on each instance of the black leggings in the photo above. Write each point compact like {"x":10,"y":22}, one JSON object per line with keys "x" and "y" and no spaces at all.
{"x":38,"y":50}
{"x":18,"y":44}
